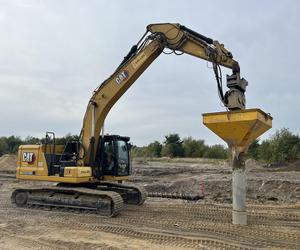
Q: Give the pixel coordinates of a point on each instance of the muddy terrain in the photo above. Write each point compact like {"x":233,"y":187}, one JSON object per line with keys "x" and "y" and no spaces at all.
{"x":273,"y":211}
{"x":213,"y":179}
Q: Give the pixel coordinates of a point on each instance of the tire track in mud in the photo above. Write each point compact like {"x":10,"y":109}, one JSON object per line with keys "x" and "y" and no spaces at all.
{"x":220,"y":214}
{"x":228,"y":235}
{"x":210,"y":227}
{"x":162,"y":238}
{"x":187,"y":225}
{"x":36,"y":239}
{"x":224,"y":240}
{"x":77,"y":245}
{"x":27,"y":242}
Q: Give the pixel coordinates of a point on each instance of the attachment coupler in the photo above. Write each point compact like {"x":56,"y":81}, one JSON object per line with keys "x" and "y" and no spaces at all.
{"x":235,"y":96}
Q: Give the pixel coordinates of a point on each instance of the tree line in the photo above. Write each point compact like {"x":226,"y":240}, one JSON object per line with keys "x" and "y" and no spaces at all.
{"x":174,"y":146}
{"x":283,"y":146}
{"x":10,"y":144}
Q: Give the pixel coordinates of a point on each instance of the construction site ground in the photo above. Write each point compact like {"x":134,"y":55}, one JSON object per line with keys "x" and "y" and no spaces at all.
{"x":273,"y":198}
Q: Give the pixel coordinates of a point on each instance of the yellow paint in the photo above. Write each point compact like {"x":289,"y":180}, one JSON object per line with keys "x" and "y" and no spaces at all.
{"x":139,"y":60}
{"x":58,"y":148}
{"x":56,"y":178}
{"x":39,"y":166}
{"x":38,"y":169}
{"x":78,"y":171}
{"x":238,"y":128}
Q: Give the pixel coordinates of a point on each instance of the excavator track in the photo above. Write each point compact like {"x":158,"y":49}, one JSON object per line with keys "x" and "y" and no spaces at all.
{"x":131,"y":194}
{"x":105,"y":203}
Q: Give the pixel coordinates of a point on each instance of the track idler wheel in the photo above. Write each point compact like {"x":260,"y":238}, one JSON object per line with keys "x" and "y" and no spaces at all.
{"x":19,"y":198}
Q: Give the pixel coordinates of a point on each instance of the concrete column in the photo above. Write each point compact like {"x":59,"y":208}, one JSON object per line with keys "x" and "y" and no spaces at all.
{"x":239,"y":214}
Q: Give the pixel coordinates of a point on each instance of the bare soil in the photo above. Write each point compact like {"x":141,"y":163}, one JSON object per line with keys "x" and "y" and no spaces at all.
{"x":273,"y":211}
{"x":213,"y":178}
{"x":8,"y":164}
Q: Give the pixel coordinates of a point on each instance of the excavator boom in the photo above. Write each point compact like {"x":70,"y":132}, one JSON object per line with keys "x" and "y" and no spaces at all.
{"x":158,"y":37}
{"x":85,"y":169}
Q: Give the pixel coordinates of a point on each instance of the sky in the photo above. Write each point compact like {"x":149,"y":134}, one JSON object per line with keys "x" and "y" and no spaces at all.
{"x":54,"y":53}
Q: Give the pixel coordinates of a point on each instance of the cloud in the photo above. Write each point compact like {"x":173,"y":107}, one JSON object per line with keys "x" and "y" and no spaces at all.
{"x":55,"y":53}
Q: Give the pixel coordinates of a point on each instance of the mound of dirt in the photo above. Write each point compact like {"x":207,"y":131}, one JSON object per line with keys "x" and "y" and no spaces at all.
{"x":8,"y":163}
{"x":187,"y":185}
{"x":214,"y":179}
{"x":284,"y":191}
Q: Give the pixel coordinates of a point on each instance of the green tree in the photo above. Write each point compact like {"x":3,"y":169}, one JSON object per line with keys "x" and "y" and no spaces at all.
{"x":13,"y":143}
{"x":193,"y":148}
{"x":138,"y":151}
{"x":154,"y":149}
{"x":172,"y":146}
{"x":31,"y":140}
{"x":284,"y":146}
{"x":265,"y":151}
{"x":3,"y":146}
{"x":63,"y":140}
{"x":216,"y":152}
{"x":253,"y":150}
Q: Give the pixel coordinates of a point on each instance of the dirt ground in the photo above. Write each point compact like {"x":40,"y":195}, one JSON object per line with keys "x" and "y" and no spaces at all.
{"x":273,"y":198}
{"x":213,"y":178}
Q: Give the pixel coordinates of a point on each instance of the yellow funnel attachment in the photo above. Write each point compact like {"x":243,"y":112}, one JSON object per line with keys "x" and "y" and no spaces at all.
{"x":238,"y":128}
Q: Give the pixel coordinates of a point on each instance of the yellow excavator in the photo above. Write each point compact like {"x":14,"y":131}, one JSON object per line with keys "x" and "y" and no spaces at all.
{"x":90,"y":171}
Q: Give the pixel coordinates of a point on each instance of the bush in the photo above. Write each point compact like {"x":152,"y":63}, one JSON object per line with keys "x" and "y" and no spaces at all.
{"x":265,"y":151}
{"x":31,"y":140}
{"x":138,"y":151}
{"x":13,"y":143}
{"x":193,"y":148}
{"x":284,"y":146}
{"x":253,"y":150}
{"x":154,"y":149}
{"x":172,"y":146}
{"x":3,"y":146}
{"x":216,"y":152}
{"x":9,"y":145}
{"x":63,"y":140}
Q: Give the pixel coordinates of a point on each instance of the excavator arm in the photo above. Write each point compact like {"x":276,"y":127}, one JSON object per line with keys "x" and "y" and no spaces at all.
{"x":181,"y":38}
{"x":178,"y":39}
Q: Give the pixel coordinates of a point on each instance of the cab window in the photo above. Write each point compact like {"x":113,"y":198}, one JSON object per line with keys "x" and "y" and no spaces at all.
{"x":123,"y":158}
{"x":108,"y":156}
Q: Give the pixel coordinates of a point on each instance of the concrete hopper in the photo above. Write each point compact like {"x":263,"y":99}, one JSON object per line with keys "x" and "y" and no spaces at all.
{"x":238,"y":128}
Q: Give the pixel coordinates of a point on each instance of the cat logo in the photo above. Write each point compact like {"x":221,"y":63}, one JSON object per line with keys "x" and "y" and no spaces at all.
{"x":122,"y":77}
{"x":28,"y":157}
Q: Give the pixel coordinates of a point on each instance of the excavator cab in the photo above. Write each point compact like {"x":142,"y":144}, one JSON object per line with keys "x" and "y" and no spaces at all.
{"x":113,"y":155}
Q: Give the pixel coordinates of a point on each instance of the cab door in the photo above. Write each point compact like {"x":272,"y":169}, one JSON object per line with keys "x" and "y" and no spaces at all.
{"x":108,"y":158}
{"x":122,"y":158}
